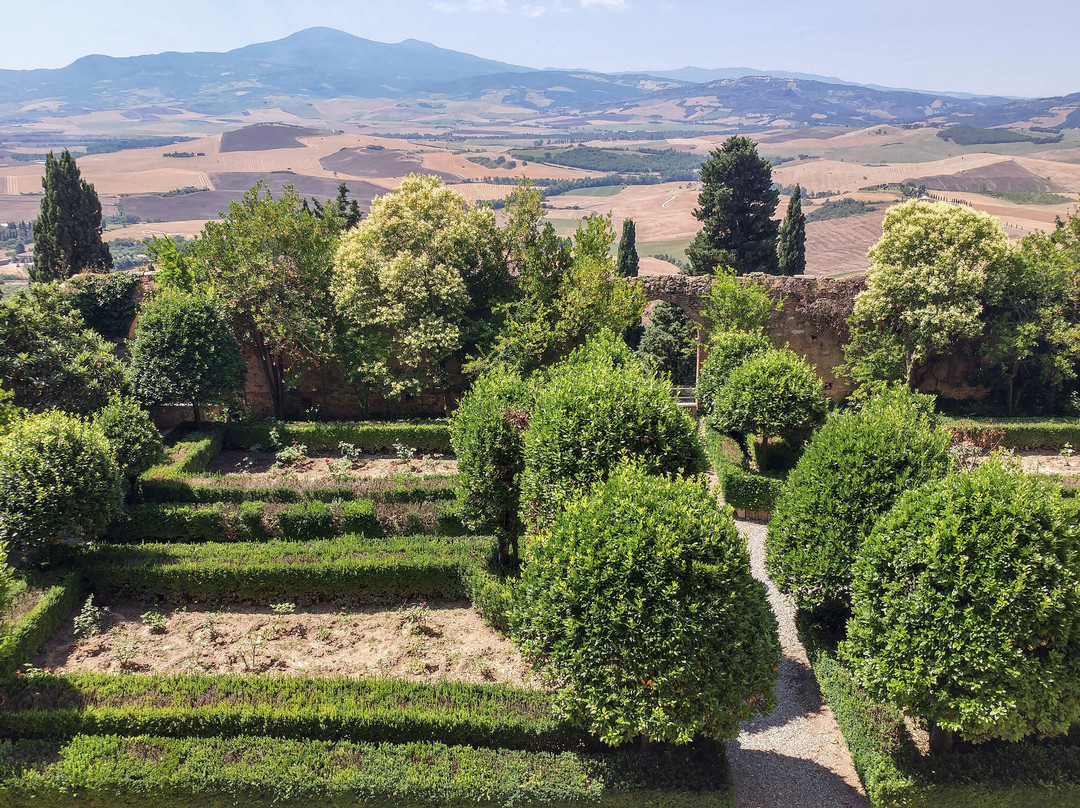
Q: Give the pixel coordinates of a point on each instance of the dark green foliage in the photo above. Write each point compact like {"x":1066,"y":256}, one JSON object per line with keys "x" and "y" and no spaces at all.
{"x":372,"y":709}
{"x":50,"y":359}
{"x":58,"y":481}
{"x":627,"y":262}
{"x":727,"y":350}
{"x":601,"y":406}
{"x":105,"y":301}
{"x":639,"y":603}
{"x":839,"y":209}
{"x":735,"y":207}
{"x":67,"y":232}
{"x":1024,"y":433}
{"x":53,"y":608}
{"x":791,"y":246}
{"x":669,"y":343}
{"x":185,"y":352}
{"x":251,"y":772}
{"x":1029,"y":197}
{"x":306,"y":520}
{"x":135,"y":441}
{"x":747,"y":490}
{"x":426,"y":437}
{"x":488,"y":433}
{"x":974,"y":136}
{"x":852,"y":471}
{"x":672,"y":165}
{"x":966,"y":607}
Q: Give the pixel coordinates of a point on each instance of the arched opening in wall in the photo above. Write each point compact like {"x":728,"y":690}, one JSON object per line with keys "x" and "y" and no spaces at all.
{"x":670,"y":336}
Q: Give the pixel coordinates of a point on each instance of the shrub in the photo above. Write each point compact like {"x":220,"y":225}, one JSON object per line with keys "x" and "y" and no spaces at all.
{"x":772,"y":393}
{"x":600,"y":407}
{"x":487,"y":431}
{"x":58,"y":480}
{"x":853,"y":470}
{"x":727,"y":350}
{"x":966,"y":607}
{"x":105,"y":301}
{"x":135,"y":441}
{"x":306,"y":520}
{"x":638,"y":601}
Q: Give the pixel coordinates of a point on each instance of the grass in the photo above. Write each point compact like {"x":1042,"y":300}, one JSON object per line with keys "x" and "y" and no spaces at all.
{"x":1029,"y":197}
{"x":602,"y":190}
{"x":676,"y":248}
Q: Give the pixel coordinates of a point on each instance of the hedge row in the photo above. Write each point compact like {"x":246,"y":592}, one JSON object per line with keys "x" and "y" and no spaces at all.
{"x":429,"y":488}
{"x":254,"y":521}
{"x":191,"y":455}
{"x":247,"y":772}
{"x":1020,"y":433}
{"x":54,"y":606}
{"x":426,"y":437}
{"x":742,"y":489}
{"x":1036,"y":774}
{"x":374,"y":709}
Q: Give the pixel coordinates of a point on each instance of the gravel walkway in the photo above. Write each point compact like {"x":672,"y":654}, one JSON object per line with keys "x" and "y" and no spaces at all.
{"x":796,"y":757}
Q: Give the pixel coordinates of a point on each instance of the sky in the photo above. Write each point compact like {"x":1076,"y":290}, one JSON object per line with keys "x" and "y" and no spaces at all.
{"x":991,"y":47}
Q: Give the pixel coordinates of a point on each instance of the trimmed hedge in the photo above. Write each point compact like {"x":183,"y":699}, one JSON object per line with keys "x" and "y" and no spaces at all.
{"x":55,"y":605}
{"x":741,"y":488}
{"x":371,"y":709}
{"x":430,"y":488}
{"x":1030,"y":774}
{"x":189,"y":456}
{"x":426,"y":437}
{"x":247,"y":772}
{"x":254,"y":521}
{"x":1022,"y":433}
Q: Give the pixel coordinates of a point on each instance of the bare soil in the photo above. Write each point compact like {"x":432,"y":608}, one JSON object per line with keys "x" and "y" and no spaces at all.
{"x":261,"y":468}
{"x":265,"y":136}
{"x":421,"y":642}
{"x":1050,"y":463}
{"x":21,"y":606}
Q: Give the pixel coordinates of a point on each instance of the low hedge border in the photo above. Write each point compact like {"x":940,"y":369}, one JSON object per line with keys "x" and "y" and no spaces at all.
{"x":189,"y":455}
{"x":425,"y":437}
{"x":1020,"y":433}
{"x":162,"y":490}
{"x":374,"y":709}
{"x":253,"y":521}
{"x":353,"y":568}
{"x":1039,"y":774}
{"x":54,"y":606}
{"x":245,"y":772}
{"x":742,"y":489}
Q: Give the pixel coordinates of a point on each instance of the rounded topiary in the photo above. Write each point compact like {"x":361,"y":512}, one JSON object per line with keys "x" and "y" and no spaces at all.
{"x":852,"y":471}
{"x":135,"y":441}
{"x":727,"y":350}
{"x":600,"y":406}
{"x":774,"y":393}
{"x":639,"y":605}
{"x":58,"y":480}
{"x":966,"y":607}
{"x":488,"y":434}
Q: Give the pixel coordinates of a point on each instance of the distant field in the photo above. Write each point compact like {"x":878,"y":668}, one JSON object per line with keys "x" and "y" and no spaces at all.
{"x":600,"y":190}
{"x":377,"y":163}
{"x":675,"y":248}
{"x":264,"y":136}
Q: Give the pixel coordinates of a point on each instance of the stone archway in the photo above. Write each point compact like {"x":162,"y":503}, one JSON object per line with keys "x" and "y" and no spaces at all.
{"x":688,"y":292}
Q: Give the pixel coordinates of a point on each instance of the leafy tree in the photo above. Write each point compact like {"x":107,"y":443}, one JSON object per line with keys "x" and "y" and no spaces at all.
{"x":669,"y":343}
{"x":966,"y":608}
{"x":735,"y":305}
{"x":791,"y":248}
{"x":175,"y":268}
{"x":925,"y":288}
{"x":67,"y":233}
{"x":270,"y":263}
{"x":626,"y":265}
{"x":735,"y":207}
{"x":727,"y":350}
{"x":414,"y":283}
{"x":50,"y":359}
{"x":135,"y":441}
{"x":185,"y":352}
{"x":638,"y":604}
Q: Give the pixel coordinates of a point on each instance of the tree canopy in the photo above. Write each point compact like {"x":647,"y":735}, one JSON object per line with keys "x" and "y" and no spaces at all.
{"x":627,"y":261}
{"x":791,"y":248}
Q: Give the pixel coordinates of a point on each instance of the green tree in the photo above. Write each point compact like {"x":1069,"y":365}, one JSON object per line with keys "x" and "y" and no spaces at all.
{"x":50,"y":359}
{"x":735,"y":207}
{"x":67,"y":233}
{"x":738,"y":305}
{"x":135,"y":441}
{"x":791,"y":248}
{"x":627,"y":262}
{"x":174,"y":266}
{"x":669,"y":343}
{"x":270,"y":263}
{"x":185,"y":352}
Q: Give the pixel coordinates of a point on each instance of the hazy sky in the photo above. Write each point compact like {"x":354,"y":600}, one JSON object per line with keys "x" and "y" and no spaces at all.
{"x":979,"y":46}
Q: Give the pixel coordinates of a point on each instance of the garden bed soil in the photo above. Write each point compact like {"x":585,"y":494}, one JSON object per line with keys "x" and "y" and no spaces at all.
{"x":261,"y":468}
{"x":1050,"y":463}
{"x":20,"y":606}
{"x":440,"y":640}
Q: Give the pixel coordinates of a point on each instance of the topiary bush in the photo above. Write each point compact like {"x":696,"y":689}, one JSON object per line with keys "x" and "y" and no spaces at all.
{"x":727,"y":350}
{"x":639,"y":605}
{"x":966,"y":607}
{"x":852,"y":471}
{"x":600,"y":406}
{"x":135,"y":441}
{"x":772,"y":393}
{"x":488,"y":435}
{"x":58,"y":480}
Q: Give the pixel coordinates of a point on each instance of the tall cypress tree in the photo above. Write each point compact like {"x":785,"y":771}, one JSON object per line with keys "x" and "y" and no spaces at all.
{"x":627,"y":263}
{"x":791,"y":249}
{"x":735,"y":208}
{"x":67,"y":233}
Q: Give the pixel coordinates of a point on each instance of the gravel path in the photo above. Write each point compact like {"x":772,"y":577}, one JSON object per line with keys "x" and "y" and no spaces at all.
{"x":796,"y":757}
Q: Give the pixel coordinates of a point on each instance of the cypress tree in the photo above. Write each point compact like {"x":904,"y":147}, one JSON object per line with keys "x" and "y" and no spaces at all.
{"x":735,"y":208}
{"x":791,"y":249}
{"x":627,"y":264}
{"x":67,"y":233}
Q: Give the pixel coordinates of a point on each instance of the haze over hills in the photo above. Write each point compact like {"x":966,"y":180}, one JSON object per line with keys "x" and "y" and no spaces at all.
{"x":323,"y":63}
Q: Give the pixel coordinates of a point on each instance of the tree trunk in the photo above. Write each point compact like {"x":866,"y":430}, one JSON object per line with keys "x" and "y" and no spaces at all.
{"x":1010,"y":392}
{"x":942,"y":741}
{"x":197,"y":410}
